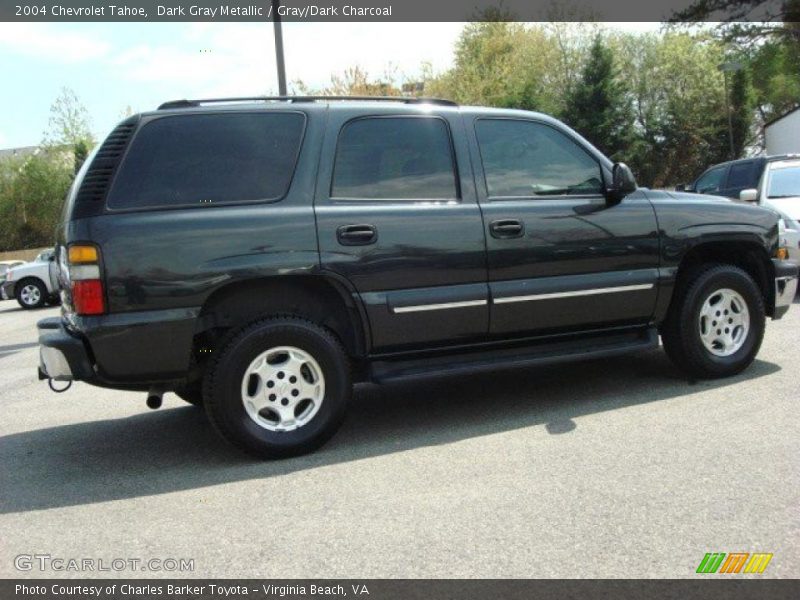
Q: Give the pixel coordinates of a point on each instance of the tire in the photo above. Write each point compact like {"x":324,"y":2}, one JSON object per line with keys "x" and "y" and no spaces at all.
{"x":31,"y":293}
{"x":694,"y":334}
{"x":192,"y":393}
{"x":278,"y":388}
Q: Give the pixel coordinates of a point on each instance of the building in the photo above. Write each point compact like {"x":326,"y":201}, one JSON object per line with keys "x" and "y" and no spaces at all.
{"x":782,"y":134}
{"x":22,"y":152}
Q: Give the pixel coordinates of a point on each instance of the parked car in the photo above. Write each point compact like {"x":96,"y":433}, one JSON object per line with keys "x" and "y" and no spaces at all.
{"x":5,"y":265}
{"x":259,"y":257}
{"x":33,"y":284}
{"x":772,"y":181}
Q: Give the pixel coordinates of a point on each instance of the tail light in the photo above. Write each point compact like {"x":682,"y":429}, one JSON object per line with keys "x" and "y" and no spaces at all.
{"x":88,"y":295}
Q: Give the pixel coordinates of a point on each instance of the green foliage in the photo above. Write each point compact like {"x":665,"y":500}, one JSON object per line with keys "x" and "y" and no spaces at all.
{"x":599,"y":106}
{"x":512,"y":65}
{"x":679,"y":105}
{"x":655,"y":101}
{"x":353,"y":81}
{"x":32,"y":191}
{"x":69,"y":121}
{"x":741,"y":106}
{"x":775,"y":73}
{"x":33,"y":187}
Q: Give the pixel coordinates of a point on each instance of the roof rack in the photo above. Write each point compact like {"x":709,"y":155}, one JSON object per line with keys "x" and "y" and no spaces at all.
{"x":404,"y":99}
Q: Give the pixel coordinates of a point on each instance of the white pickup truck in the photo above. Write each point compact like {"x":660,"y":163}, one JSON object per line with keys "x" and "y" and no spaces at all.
{"x":33,"y":284}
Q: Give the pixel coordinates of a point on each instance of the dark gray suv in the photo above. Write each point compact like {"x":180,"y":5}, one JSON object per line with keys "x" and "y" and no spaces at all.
{"x":259,"y":256}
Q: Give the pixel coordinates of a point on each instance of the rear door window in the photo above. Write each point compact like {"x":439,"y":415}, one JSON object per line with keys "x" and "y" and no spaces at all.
{"x":208,"y":159}
{"x":742,"y":176}
{"x":394,"y":158}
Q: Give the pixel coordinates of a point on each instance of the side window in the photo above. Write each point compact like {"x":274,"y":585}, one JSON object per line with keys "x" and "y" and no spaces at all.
{"x":192,"y":160}
{"x":528,"y":159}
{"x":741,"y":176}
{"x":710,"y":182}
{"x":394,"y":158}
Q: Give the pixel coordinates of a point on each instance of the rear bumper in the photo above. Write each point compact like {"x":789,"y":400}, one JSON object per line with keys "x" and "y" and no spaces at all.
{"x":7,"y":290}
{"x":121,"y":351}
{"x":785,"y":286}
{"x":62,"y":356}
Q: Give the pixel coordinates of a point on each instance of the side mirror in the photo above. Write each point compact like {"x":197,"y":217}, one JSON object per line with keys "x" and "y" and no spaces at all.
{"x":748,"y":195}
{"x":623,"y":183}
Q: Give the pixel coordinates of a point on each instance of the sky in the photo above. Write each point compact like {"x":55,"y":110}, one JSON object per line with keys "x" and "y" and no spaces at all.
{"x":112,"y":66}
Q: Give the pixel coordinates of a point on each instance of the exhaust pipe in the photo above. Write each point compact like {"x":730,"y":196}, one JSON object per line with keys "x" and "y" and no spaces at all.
{"x":154,"y":398}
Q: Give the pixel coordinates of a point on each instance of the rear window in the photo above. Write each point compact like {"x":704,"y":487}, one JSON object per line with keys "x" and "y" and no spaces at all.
{"x":386,"y":158}
{"x":743,"y":175}
{"x":201,"y":160}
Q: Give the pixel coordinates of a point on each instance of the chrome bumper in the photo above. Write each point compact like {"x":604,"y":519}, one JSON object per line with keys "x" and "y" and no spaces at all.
{"x":785,"y":286}
{"x":54,"y":364}
{"x":62,"y":356}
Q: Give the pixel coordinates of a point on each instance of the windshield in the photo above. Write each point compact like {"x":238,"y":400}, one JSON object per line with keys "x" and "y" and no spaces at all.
{"x":784,"y":183}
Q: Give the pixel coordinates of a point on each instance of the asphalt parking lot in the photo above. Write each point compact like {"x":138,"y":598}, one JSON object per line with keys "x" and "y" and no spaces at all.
{"x":615,"y":468}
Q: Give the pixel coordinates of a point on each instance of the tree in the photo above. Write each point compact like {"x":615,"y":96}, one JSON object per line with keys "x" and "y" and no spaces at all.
{"x":513,"y":65}
{"x":79,"y":151}
{"x":748,"y":21}
{"x":775,"y":75}
{"x":679,"y":104}
{"x":31,"y":193}
{"x":598,"y":106}
{"x":766,"y":33}
{"x":69,"y":121}
{"x":741,"y":106}
{"x":353,"y":81}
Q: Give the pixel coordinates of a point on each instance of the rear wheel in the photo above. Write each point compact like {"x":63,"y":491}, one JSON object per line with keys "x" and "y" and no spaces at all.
{"x":31,"y":293}
{"x":716,"y":322}
{"x":278,"y":388}
{"x":191,"y":393}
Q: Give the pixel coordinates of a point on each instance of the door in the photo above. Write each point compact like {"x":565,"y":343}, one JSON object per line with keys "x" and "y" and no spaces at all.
{"x":560,"y":259}
{"x":741,"y":176}
{"x":712,"y":181}
{"x":398,"y":219}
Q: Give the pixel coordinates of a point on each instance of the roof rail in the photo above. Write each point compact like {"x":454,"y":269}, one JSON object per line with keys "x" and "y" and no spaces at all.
{"x":404,"y":99}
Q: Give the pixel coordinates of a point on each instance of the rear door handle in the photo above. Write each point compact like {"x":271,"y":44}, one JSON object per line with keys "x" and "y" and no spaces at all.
{"x":506,"y":228}
{"x":357,"y":235}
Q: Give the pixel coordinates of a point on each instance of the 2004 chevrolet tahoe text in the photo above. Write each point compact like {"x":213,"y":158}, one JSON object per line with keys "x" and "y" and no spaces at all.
{"x":259,"y":257}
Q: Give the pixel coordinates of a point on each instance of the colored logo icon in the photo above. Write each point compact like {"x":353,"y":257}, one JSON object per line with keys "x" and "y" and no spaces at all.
{"x":734,"y":562}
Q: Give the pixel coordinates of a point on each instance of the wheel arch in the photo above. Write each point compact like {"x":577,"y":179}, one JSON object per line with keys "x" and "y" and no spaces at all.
{"x":748,"y":255}
{"x":320,"y":298}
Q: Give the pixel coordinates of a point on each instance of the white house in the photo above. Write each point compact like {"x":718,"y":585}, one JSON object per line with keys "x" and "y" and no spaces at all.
{"x":782,"y":134}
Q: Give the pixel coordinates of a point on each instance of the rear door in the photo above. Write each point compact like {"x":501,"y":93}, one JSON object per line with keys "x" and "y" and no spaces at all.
{"x":741,"y":176}
{"x":398,"y":220}
{"x":560,"y":259}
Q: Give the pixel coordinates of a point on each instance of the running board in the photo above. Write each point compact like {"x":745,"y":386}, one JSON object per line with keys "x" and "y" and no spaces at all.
{"x":545,"y":352}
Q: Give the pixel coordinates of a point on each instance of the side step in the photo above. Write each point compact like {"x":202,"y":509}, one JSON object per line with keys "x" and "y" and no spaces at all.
{"x":544,"y":352}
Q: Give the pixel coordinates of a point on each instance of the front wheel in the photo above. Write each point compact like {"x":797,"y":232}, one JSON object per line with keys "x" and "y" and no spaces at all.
{"x":715,"y":323}
{"x":278,"y":388}
{"x":31,"y":293}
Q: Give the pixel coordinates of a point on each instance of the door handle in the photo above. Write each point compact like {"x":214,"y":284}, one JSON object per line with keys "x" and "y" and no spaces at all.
{"x":507,"y":228}
{"x":357,"y":235}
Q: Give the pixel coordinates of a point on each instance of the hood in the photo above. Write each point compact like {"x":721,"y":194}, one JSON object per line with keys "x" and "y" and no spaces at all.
{"x":25,"y":269}
{"x":786,"y":206}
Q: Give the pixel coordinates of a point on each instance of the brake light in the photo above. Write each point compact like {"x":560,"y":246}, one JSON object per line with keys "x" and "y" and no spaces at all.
{"x":88,"y":295}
